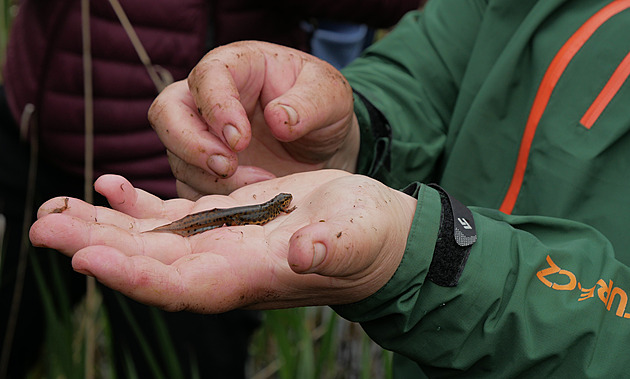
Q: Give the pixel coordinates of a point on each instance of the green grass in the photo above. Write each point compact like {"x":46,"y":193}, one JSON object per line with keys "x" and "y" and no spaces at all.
{"x":314,"y":343}
{"x":7,"y":11}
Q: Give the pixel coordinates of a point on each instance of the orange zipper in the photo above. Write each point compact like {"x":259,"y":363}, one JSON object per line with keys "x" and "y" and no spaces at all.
{"x":547,"y":85}
{"x":610,"y":90}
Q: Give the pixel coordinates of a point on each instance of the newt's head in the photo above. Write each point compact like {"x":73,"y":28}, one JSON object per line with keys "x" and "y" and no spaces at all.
{"x":283,"y":200}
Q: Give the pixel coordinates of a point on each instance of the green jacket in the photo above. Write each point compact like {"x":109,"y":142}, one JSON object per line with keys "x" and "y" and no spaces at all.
{"x":521,"y":106}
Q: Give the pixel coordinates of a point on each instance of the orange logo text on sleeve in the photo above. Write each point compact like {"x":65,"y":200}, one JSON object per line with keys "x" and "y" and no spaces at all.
{"x":607,"y":292}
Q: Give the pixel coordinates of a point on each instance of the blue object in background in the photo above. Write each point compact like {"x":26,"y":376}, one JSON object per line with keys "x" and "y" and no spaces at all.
{"x":339,"y":43}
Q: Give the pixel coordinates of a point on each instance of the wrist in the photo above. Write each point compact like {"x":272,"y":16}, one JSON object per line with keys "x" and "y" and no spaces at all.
{"x":410,"y":274}
{"x":402,"y":210}
{"x":398,"y":215}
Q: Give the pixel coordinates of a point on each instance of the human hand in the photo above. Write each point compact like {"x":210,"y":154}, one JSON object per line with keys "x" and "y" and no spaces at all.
{"x":251,"y":111}
{"x":341,"y":244}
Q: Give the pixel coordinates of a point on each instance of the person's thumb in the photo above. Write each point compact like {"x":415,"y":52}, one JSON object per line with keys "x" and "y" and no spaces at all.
{"x":320,"y":98}
{"x":329,"y":249}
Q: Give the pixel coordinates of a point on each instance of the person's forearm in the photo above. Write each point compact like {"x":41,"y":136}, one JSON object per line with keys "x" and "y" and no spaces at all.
{"x":533,"y":292}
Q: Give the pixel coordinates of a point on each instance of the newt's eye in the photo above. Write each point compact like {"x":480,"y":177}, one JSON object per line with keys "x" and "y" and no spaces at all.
{"x":284,"y":198}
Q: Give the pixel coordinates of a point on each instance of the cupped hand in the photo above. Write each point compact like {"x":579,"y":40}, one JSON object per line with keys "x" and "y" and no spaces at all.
{"x":341,"y":244}
{"x":251,"y":111}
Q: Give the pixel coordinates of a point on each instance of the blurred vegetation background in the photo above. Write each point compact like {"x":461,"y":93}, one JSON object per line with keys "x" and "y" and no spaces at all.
{"x":7,"y":11}
{"x":294,"y":343}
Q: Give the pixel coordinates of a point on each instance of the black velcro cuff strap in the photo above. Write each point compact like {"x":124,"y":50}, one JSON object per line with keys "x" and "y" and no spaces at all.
{"x":455,"y":239}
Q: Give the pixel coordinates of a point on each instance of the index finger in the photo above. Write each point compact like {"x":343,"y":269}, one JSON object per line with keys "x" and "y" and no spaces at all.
{"x":226,"y":87}
{"x":177,"y":121}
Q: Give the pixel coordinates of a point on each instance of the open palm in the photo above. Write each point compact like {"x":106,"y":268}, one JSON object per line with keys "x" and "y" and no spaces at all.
{"x":341,"y":244}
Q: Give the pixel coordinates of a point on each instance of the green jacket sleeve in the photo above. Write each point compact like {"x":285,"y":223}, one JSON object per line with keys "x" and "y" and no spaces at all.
{"x":538,"y":297}
{"x":412,"y":77}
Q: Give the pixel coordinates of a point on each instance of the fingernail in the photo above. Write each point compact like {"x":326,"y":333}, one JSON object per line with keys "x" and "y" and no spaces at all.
{"x":319,"y":253}
{"x":80,"y":265}
{"x":232,"y":135}
{"x":219,"y":164}
{"x":84,"y":272}
{"x":291,"y":114}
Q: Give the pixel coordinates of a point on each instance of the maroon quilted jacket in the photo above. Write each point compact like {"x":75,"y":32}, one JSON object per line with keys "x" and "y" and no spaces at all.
{"x":44,"y":67}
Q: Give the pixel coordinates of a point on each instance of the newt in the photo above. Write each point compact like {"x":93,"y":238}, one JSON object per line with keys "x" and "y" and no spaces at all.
{"x":257,"y":214}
